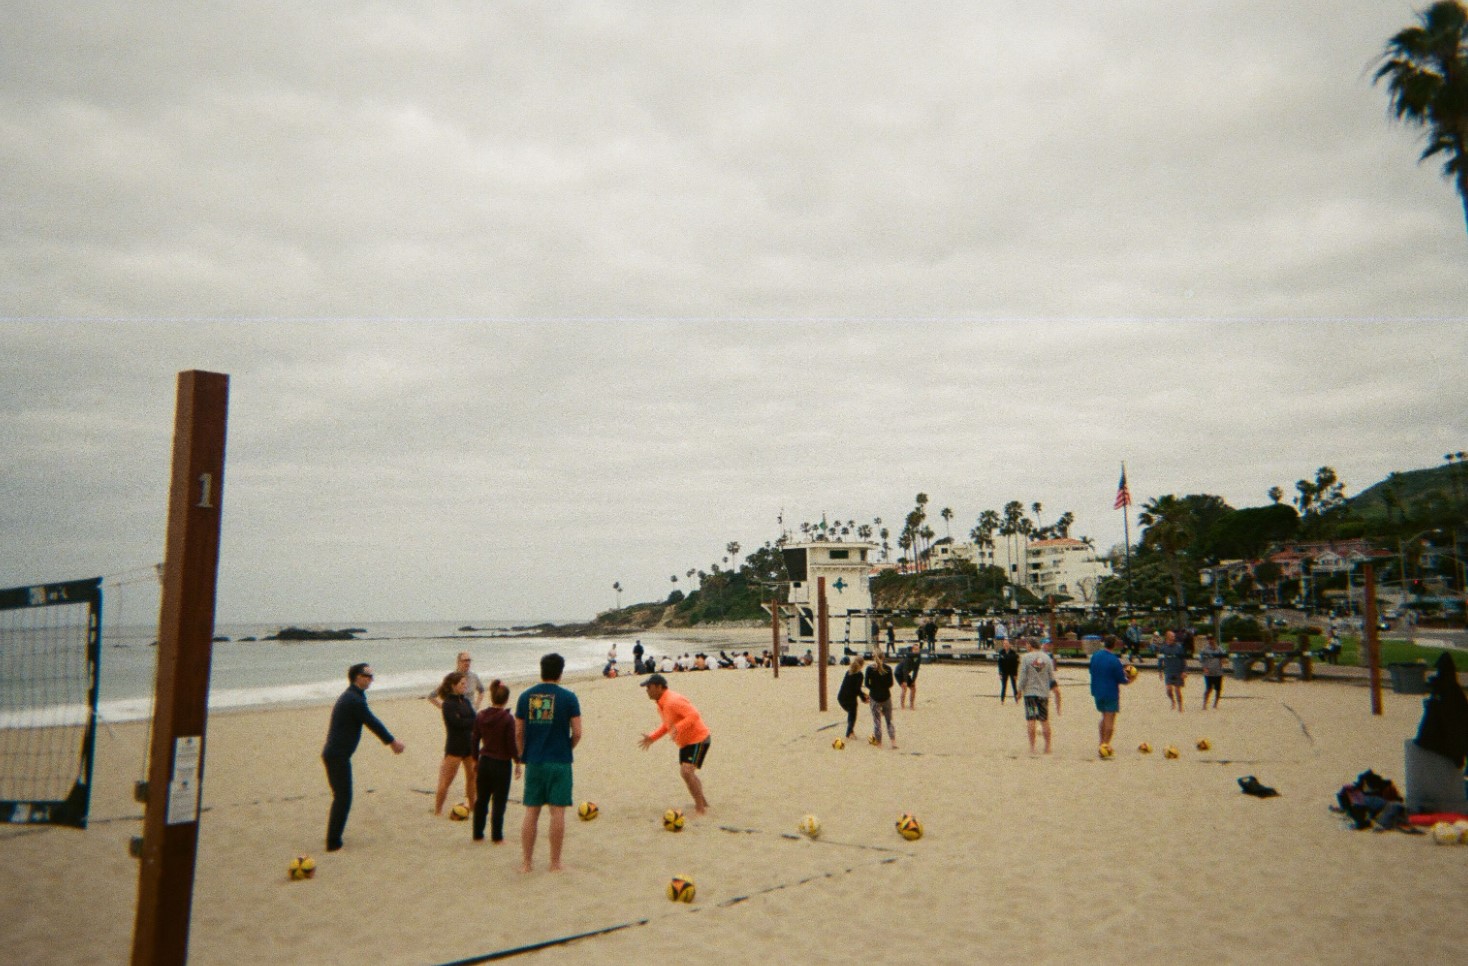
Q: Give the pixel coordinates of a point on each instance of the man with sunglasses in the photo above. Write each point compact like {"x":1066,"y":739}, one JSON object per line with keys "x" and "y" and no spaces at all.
{"x":347,"y":719}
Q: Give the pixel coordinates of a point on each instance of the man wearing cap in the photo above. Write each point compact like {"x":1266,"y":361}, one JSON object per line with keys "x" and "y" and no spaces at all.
{"x":348,"y":717}
{"x":692,"y":736}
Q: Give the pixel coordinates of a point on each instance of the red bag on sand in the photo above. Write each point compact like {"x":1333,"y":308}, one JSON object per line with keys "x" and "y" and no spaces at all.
{"x":1432,"y":818}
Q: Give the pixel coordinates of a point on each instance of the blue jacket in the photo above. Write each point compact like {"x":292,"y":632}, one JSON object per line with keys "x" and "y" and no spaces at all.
{"x":1107,"y":675}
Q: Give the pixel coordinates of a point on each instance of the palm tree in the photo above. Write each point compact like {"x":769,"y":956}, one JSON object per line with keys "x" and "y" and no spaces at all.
{"x":1169,"y":528}
{"x":1276,"y":494}
{"x":947,"y":514}
{"x":1426,"y":68}
{"x":617,"y":586}
{"x":733,"y":549}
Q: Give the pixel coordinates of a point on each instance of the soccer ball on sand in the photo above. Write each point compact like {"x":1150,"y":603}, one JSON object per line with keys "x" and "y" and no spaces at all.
{"x":681,"y":889}
{"x":1145,"y":748}
{"x":810,"y":827}
{"x":587,"y":811}
{"x":459,"y":812}
{"x":673,"y":822}
{"x":1105,"y":751}
{"x":838,"y":744}
{"x":302,"y":867}
{"x":1170,"y":752}
{"x":1204,"y":744}
{"x":909,"y":827}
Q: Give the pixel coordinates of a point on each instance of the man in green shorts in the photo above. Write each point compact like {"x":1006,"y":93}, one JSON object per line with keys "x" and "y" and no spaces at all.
{"x":547,"y":728}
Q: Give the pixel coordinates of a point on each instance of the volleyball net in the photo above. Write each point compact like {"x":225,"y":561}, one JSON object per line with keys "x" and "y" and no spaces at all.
{"x":50,"y":660}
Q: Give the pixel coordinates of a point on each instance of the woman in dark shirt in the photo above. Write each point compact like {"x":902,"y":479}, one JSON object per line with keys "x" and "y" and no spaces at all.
{"x":494,"y":745}
{"x":851,"y":693}
{"x":458,"y":723}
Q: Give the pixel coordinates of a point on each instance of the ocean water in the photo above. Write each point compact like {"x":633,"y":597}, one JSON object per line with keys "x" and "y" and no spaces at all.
{"x":407,"y":658}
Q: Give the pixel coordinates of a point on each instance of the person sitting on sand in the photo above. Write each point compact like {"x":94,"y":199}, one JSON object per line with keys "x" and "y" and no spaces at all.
{"x":700,"y":662}
{"x":666,"y":664}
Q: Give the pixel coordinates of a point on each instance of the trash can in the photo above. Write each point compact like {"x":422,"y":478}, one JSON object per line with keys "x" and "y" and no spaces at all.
{"x":1408,"y":678}
{"x":1241,"y":666}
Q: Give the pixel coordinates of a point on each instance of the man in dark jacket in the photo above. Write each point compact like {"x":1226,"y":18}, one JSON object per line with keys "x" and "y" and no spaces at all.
{"x":343,"y":735}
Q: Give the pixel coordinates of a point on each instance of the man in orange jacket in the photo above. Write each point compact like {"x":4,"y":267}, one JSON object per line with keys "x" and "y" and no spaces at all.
{"x":682,"y":719}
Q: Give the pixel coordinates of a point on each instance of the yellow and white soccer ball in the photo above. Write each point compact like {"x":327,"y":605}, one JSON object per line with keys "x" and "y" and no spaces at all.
{"x":1204,"y":744}
{"x":1145,"y":748}
{"x":459,"y":812}
{"x":1170,"y":752}
{"x":673,"y":820}
{"x":810,"y":827}
{"x":839,"y":743}
{"x":302,"y":867}
{"x":1131,"y":672}
{"x":681,"y":889}
{"x":909,"y":827}
{"x":1446,"y":833}
{"x":587,"y":811}
{"x":1105,"y":751}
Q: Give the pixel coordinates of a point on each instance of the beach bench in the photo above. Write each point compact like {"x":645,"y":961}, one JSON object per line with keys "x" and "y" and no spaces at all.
{"x":1245,"y":654}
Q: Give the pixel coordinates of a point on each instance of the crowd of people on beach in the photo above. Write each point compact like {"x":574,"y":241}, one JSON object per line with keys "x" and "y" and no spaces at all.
{"x":493,"y":747}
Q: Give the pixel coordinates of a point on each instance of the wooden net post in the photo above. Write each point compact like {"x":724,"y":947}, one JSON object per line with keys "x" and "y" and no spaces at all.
{"x":185,"y":648}
{"x":775,"y":632}
{"x":822,"y":634}
{"x":1373,"y":641}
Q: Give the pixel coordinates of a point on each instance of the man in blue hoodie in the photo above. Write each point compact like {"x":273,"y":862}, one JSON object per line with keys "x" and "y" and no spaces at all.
{"x":1107,"y":676}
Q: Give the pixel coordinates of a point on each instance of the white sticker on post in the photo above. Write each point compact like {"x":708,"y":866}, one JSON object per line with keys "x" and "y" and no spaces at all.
{"x":183,"y":790}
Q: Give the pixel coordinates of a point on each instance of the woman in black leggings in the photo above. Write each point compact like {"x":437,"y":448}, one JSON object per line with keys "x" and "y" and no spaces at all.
{"x":850,"y":693}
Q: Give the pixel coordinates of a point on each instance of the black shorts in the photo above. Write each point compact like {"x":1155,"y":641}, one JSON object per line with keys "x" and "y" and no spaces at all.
{"x":694,"y":754}
{"x":1213,"y":682}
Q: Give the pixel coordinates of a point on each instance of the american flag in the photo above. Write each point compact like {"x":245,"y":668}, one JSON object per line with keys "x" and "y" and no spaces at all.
{"x":1123,"y":495}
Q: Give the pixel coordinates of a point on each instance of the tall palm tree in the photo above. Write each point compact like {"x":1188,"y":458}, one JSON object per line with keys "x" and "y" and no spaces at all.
{"x":1426,"y":69}
{"x":1169,"y":528}
{"x":947,"y":514}
{"x":617,"y":586}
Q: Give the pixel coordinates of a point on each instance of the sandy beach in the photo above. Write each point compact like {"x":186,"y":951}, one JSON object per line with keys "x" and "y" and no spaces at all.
{"x":1026,"y":859}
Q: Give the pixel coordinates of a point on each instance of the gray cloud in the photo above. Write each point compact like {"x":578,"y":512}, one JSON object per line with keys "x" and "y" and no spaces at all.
{"x":713,"y":260}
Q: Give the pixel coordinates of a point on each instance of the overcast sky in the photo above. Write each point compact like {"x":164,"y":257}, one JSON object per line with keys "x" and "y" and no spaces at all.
{"x":538,"y":297}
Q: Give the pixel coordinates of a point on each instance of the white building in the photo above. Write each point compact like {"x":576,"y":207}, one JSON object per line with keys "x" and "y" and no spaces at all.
{"x":846,"y":568}
{"x":1065,"y":566}
{"x":1060,"y":566}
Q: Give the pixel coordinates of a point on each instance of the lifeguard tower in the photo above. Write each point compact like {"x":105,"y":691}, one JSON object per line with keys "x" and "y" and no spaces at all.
{"x":847,"y":569}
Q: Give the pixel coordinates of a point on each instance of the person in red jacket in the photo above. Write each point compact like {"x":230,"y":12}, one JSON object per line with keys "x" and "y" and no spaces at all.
{"x":682,"y":719}
{"x":494,"y":747}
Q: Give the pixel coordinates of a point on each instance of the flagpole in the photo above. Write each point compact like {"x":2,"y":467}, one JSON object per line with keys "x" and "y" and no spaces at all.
{"x":1124,"y":503}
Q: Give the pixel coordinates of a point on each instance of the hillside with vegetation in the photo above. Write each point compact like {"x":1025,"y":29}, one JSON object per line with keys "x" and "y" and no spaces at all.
{"x":1181,"y":537}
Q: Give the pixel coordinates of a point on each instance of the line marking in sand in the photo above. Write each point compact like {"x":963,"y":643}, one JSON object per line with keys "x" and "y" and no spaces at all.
{"x":1299,"y":719}
{"x":532,"y":947}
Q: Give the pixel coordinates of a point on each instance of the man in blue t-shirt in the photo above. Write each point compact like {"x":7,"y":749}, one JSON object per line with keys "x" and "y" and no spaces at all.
{"x":1107,"y":677}
{"x":547,"y":728}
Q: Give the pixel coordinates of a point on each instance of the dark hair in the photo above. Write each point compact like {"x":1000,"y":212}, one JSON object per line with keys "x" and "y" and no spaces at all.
{"x":551,"y":667}
{"x":450,"y":681}
{"x":498,"y":692}
{"x":355,"y":670}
